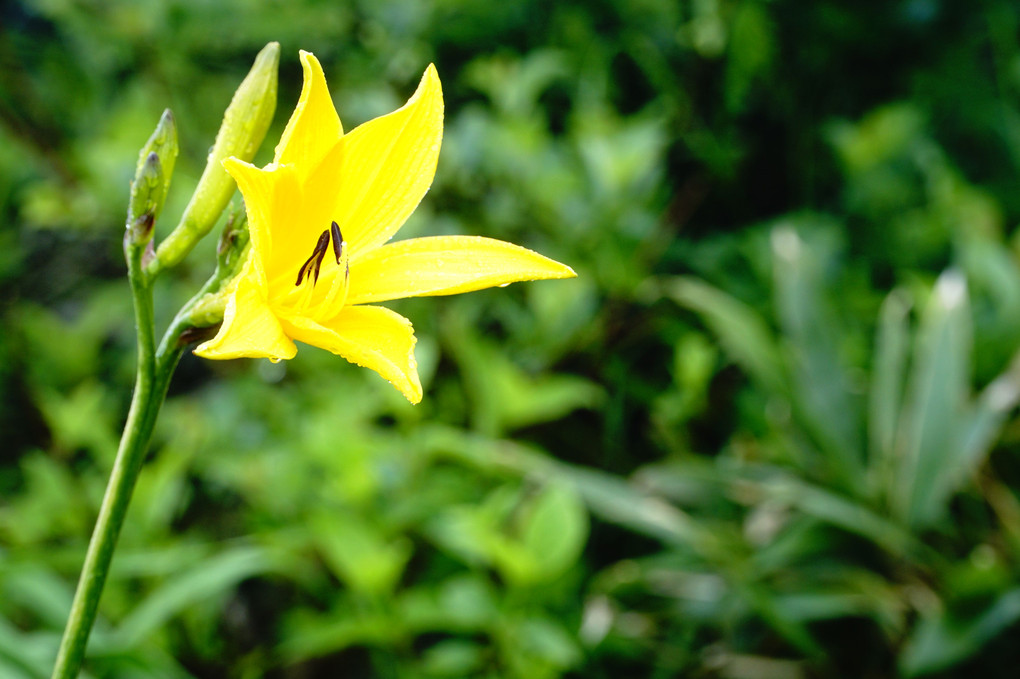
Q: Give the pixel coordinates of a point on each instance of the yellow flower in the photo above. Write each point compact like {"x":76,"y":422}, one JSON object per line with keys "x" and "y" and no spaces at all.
{"x":320,"y":215}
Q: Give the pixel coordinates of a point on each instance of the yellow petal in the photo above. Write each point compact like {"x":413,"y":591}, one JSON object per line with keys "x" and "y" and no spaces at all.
{"x":320,"y":190}
{"x":370,"y":336}
{"x":445,"y":265}
{"x":314,"y":127}
{"x":258,"y":187}
{"x":389,"y":164}
{"x":284,"y":226}
{"x":250,"y":329}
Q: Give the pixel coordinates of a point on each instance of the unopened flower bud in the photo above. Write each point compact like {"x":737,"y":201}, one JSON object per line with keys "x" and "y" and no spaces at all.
{"x":147,"y":194}
{"x":233,"y":242}
{"x":163,"y":143}
{"x":231,"y":252}
{"x":245,"y":123}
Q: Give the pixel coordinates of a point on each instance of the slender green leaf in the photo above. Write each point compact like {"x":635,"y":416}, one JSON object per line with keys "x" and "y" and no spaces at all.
{"x":207,"y":579}
{"x":888,"y":373}
{"x":941,"y":640}
{"x":938,"y":393}
{"x":980,"y":429}
{"x":828,"y":409}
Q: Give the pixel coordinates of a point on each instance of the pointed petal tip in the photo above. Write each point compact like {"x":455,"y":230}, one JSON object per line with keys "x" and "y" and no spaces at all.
{"x":410,"y":386}
{"x":548,"y":270}
{"x":564,"y":271}
{"x":542,"y":267}
{"x":312,"y":72}
{"x":412,"y":390}
{"x":240,"y":169}
{"x":234,"y":162}
{"x":314,"y":124}
{"x":429,"y":86}
{"x":431,"y":78}
{"x":228,"y":346}
{"x":210,"y":352}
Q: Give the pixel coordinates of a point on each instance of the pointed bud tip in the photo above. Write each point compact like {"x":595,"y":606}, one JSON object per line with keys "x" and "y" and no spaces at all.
{"x":269,"y":55}
{"x":245,"y":122}
{"x":161,"y":145}
{"x":167,"y":127}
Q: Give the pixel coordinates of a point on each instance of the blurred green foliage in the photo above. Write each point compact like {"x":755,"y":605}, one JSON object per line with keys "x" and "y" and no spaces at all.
{"x":769,"y":431}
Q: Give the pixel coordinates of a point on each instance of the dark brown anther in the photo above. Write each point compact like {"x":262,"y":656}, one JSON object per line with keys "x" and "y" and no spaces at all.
{"x":313,"y":263}
{"x":318,"y":264}
{"x":338,"y":241}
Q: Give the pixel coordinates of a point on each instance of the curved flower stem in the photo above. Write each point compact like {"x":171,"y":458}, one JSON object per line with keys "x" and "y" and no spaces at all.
{"x":155,"y":368}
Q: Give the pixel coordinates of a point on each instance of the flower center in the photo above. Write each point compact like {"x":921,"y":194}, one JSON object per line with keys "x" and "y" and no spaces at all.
{"x":306,"y":299}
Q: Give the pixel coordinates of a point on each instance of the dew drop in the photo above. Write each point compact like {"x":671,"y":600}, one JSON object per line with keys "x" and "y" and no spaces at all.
{"x":272,"y":372}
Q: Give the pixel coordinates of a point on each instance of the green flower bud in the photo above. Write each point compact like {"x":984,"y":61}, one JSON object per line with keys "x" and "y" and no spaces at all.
{"x":148,"y":191}
{"x":208,"y":310}
{"x":231,"y":251}
{"x":244,"y":126}
{"x":152,"y":179}
{"x":163,"y":143}
{"x":233,"y":243}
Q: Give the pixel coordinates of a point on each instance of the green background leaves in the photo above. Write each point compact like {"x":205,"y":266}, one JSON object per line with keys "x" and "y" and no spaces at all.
{"x":769,"y":430}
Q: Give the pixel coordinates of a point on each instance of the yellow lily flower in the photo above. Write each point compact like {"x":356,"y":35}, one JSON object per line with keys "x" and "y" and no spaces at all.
{"x":320,"y":215}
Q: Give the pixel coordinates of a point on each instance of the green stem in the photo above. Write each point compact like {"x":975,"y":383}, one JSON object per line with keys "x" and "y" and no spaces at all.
{"x":155,"y":368}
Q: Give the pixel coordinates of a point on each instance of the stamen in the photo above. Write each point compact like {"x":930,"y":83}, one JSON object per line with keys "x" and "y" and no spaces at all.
{"x":315,"y":260}
{"x":337,"y":293}
{"x":338,"y":241}
{"x":318,"y":263}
